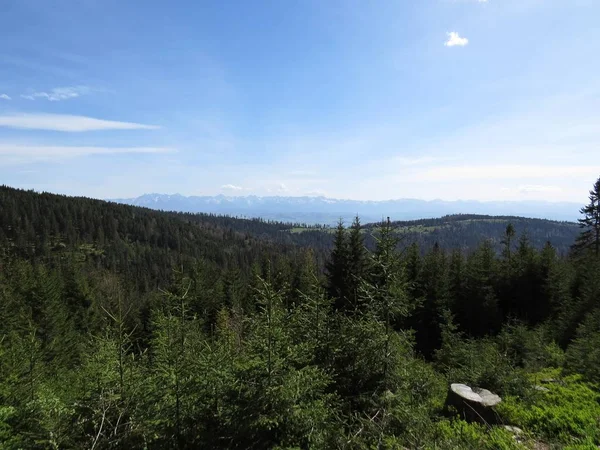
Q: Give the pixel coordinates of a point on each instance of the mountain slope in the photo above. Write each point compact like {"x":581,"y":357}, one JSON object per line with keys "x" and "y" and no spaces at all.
{"x":137,"y":243}
{"x":313,"y":210}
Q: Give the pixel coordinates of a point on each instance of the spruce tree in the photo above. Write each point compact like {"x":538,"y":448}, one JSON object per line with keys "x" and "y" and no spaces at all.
{"x":279,"y":399}
{"x":433,"y":282}
{"x":478,"y":311}
{"x":589,"y":239}
{"x":337,"y":269}
{"x":456,"y":280}
{"x":112,"y":376}
{"x":509,"y":234}
{"x":177,"y":349}
{"x":358,"y":263}
{"x":412,"y":270}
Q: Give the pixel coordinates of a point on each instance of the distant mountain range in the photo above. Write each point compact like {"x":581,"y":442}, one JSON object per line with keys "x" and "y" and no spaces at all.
{"x":323,"y":210}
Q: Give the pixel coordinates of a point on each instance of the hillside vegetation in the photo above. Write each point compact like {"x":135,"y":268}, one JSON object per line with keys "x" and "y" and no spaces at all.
{"x":124,"y":327}
{"x":461,"y":231}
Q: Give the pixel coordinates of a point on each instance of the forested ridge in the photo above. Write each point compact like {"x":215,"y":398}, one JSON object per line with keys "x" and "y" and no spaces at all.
{"x":142,"y":245}
{"x":124,"y":327}
{"x":458,"y":231}
{"x":466,"y":231}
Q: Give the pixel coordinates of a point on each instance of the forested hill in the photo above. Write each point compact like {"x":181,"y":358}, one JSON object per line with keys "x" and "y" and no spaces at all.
{"x":141,"y":244}
{"x":462,"y":231}
{"x":467,"y":231}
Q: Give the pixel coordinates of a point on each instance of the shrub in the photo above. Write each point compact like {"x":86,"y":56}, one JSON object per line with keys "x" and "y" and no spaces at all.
{"x":453,"y":434}
{"x":567,"y":414}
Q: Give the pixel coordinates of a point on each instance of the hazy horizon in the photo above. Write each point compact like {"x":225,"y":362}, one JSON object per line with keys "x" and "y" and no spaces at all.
{"x":324,"y":210}
{"x":342,"y":199}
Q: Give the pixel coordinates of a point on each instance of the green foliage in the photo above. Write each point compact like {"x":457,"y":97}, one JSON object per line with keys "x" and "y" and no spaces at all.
{"x":9,"y":437}
{"x":583,"y":355}
{"x":477,"y":362}
{"x":281,"y":397}
{"x":567,"y":413}
{"x":532,"y":349}
{"x":460,"y":434}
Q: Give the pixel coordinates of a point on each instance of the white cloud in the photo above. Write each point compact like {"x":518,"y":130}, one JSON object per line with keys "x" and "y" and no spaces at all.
{"x":68,"y":123}
{"x":59,"y":93}
{"x":454,"y":39}
{"x":4,"y":97}
{"x":231,"y":187}
{"x":279,"y":188}
{"x":525,"y":189}
{"x":20,"y":153}
{"x":59,"y":150}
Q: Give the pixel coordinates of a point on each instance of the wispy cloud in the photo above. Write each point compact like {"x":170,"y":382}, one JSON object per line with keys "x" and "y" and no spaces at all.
{"x":502,"y":172}
{"x":4,"y":97}
{"x":22,"y":153}
{"x":281,"y":188}
{"x":420,"y":160}
{"x":67,"y":123}
{"x":533,"y":189}
{"x":526,"y":189}
{"x":455,"y":40}
{"x":59,"y":93}
{"x":231,"y":187}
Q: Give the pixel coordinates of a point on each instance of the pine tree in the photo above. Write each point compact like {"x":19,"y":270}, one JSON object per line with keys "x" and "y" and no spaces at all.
{"x":589,"y":239}
{"x":61,"y":343}
{"x":338,"y":269}
{"x":507,"y":242}
{"x":433,"y":282}
{"x":412,"y":271}
{"x":478,"y":312}
{"x":358,"y":262}
{"x":177,"y":347}
{"x":303,"y":277}
{"x":456,"y":280}
{"x":531,"y":307}
{"x":385,"y":295}
{"x":280,"y":398}
{"x":112,"y":376}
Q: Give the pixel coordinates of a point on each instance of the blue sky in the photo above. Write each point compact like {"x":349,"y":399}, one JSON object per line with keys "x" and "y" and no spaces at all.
{"x":450,"y":99}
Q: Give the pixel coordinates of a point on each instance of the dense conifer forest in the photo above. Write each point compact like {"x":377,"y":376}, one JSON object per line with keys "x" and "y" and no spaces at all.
{"x":123,"y":327}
